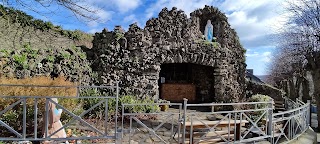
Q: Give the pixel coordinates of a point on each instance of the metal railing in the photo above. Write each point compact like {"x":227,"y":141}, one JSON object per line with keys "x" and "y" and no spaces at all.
{"x":251,"y":122}
{"x":292,"y":123}
{"x":21,"y":105}
{"x":189,"y":123}
{"x":169,"y":121}
{"x":252,"y":116}
{"x":289,"y":103}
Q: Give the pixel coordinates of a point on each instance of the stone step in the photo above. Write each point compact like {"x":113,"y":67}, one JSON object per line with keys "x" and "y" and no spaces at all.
{"x":278,"y":102}
{"x":212,"y":137}
{"x":278,"y":105}
{"x":280,"y":109}
{"x":215,"y":139}
{"x":208,"y":134}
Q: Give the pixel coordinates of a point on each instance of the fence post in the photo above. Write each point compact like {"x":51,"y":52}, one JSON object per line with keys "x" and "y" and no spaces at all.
{"x":269,"y":128}
{"x":24,"y":127}
{"x":117,"y":102}
{"x":46,"y":118}
{"x":309,"y":114}
{"x":78,"y":91}
{"x":185,"y":101}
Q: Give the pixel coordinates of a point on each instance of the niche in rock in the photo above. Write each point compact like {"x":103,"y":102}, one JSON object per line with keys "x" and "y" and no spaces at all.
{"x":186,"y":80}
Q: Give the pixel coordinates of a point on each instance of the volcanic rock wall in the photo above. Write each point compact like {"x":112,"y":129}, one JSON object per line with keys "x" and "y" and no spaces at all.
{"x":134,"y":57}
{"x":254,"y":88}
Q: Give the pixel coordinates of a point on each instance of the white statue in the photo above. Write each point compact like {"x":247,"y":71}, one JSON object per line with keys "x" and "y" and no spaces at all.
{"x":54,"y":122}
{"x":208,"y":32}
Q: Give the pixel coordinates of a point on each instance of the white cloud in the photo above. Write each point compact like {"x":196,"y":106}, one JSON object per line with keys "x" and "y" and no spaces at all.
{"x":94,"y":30}
{"x":187,"y":7}
{"x":266,"y":57}
{"x":254,"y":54}
{"x":121,"y":6}
{"x":260,"y":56}
{"x":266,"y":54}
{"x":254,"y":20}
{"x":102,"y":15}
{"x":93,"y":24}
{"x":130,"y":18}
{"x":125,"y":5}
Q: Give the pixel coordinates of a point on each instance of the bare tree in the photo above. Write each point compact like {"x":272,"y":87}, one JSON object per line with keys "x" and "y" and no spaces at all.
{"x":300,"y":43}
{"x":285,"y":62}
{"x":79,"y":8}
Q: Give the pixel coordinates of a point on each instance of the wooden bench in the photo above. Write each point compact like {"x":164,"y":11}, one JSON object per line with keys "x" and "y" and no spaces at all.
{"x":196,"y":125}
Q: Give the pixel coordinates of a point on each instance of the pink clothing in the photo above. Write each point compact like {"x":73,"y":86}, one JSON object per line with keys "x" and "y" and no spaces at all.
{"x":54,"y":122}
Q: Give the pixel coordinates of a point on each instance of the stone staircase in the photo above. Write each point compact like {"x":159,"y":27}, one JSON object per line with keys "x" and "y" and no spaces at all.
{"x":279,"y":106}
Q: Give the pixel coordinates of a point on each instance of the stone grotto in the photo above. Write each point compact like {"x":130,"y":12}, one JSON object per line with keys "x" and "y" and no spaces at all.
{"x":170,"y":58}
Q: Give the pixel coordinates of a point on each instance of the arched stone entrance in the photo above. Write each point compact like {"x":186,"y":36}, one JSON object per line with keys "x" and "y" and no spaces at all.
{"x":186,"y":80}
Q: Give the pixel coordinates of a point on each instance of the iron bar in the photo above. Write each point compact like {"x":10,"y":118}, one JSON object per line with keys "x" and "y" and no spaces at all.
{"x":117,"y":103}
{"x":10,"y":129}
{"x":35,"y":118}
{"x":24,"y":128}
{"x":130,"y":130}
{"x":185,"y":101}
{"x":225,"y":104}
{"x":122,"y":120}
{"x":46,"y":117}
{"x":270,"y":117}
{"x":179,"y":123}
{"x":69,"y":97}
{"x":10,"y":107}
{"x":235,"y":127}
{"x":106,"y":118}
{"x":52,"y":86}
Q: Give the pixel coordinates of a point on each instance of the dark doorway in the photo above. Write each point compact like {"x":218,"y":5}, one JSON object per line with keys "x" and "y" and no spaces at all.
{"x":185,"y":80}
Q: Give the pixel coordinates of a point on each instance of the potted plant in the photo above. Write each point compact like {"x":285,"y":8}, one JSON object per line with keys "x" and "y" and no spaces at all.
{"x":164,"y":104}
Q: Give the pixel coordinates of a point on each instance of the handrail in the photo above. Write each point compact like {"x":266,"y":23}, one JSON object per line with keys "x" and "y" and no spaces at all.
{"x":57,"y":86}
{"x":290,"y":111}
{"x":295,"y":122}
{"x":103,"y":100}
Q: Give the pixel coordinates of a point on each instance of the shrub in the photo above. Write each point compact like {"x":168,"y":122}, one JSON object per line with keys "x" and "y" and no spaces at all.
{"x":88,"y":103}
{"x":21,"y":60}
{"x":137,"y":108}
{"x":6,"y":52}
{"x":14,"y":116}
{"x":50,"y":58}
{"x":99,"y":112}
{"x":259,"y":98}
{"x":65,"y":55}
{"x":83,"y":56}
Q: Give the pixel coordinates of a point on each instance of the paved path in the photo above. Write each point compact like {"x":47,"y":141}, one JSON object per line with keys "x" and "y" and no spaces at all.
{"x":314,"y":124}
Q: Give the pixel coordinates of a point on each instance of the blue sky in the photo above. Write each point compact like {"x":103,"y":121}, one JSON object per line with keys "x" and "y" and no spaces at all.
{"x":256,"y":21}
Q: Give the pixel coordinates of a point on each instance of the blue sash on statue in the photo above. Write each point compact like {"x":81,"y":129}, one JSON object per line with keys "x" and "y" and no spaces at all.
{"x":209,"y":34}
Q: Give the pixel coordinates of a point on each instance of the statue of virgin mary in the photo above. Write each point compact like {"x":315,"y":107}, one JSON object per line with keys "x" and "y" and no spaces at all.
{"x":208,"y":32}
